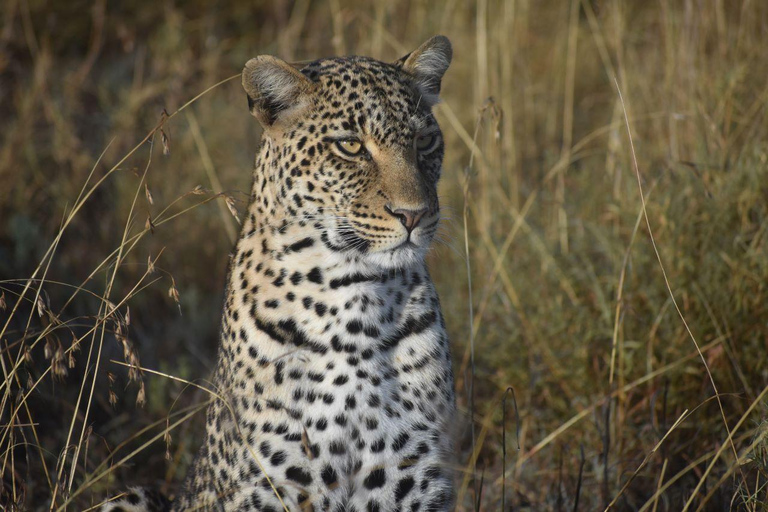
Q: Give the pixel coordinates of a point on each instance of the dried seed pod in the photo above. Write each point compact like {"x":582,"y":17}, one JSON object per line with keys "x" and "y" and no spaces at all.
{"x":198,"y":190}
{"x":2,"y":301}
{"x":150,"y":265}
{"x":112,"y":398}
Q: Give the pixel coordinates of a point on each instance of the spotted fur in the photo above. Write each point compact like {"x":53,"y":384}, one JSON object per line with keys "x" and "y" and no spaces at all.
{"x":334,"y":374}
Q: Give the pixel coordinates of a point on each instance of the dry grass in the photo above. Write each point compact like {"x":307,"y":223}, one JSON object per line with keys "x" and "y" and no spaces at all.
{"x":618,"y":285}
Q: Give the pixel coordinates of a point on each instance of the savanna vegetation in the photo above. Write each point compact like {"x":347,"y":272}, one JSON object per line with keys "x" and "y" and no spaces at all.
{"x":603,"y":265}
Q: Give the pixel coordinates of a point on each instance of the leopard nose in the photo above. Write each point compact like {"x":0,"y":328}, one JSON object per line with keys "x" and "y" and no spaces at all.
{"x":408,"y":218}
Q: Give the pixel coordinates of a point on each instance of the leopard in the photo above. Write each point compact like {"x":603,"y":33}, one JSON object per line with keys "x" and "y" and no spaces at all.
{"x":333,"y":388}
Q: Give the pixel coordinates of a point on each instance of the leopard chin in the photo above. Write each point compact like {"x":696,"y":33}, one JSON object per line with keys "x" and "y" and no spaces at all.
{"x":406,"y":255}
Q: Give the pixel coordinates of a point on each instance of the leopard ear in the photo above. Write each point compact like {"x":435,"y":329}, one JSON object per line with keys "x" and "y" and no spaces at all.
{"x":274,"y":88}
{"x":428,"y":63}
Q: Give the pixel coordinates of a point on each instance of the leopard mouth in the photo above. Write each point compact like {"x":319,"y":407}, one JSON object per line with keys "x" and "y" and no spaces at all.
{"x":404,"y":245}
{"x":349,"y":238}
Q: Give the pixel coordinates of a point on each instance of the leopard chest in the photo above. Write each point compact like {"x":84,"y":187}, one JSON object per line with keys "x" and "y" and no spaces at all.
{"x":374,"y":363}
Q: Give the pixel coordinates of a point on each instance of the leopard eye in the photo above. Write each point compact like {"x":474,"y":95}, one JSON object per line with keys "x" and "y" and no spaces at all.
{"x":426,"y":143}
{"x":349,"y":147}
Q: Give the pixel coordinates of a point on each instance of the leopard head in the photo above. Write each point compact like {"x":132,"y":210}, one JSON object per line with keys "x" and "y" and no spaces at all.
{"x":351,"y":148}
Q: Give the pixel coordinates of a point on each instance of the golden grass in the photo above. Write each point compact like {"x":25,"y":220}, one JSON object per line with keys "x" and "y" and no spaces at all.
{"x":609,"y":166}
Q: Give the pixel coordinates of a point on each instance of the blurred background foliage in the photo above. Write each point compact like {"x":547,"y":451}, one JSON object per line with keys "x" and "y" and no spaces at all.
{"x":569,"y":302}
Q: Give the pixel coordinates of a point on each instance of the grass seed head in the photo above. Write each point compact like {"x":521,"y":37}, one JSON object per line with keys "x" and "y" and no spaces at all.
{"x":148,"y":194}
{"x":149,"y":225}
{"x":231,"y":205}
{"x":40,"y":306}
{"x":141,"y":396}
{"x":58,"y":365}
{"x":167,"y":439}
{"x":173,"y":292}
{"x":166,"y":140}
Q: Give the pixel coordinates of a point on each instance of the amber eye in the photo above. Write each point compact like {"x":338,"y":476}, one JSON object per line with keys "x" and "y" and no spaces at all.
{"x":426,"y":143}
{"x":349,"y":147}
